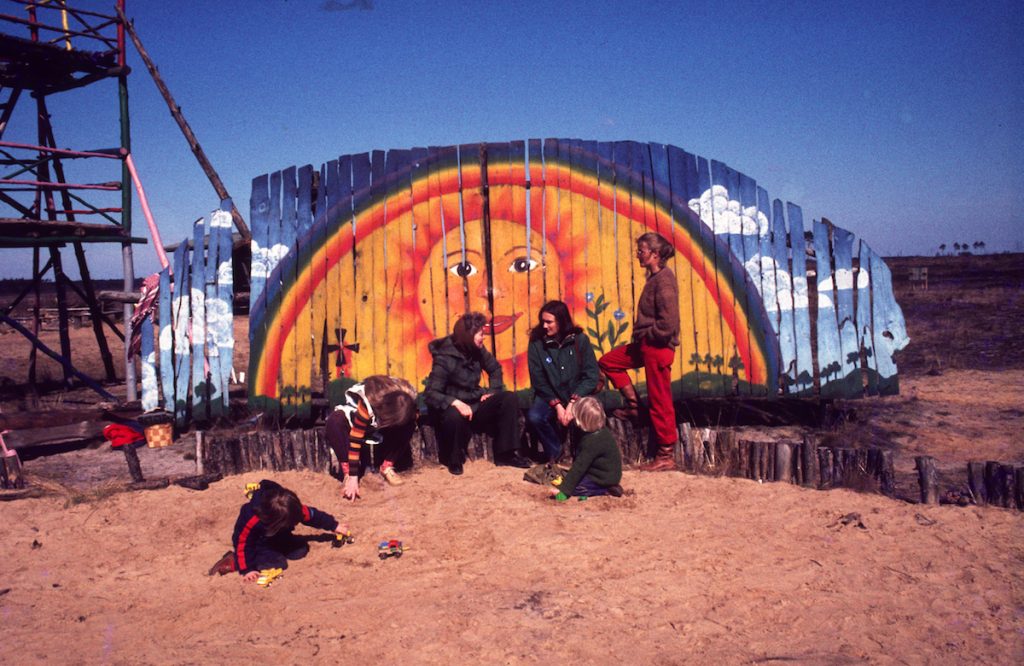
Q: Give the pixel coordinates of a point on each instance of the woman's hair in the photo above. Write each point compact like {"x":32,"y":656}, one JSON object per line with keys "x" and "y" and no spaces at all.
{"x":658,"y":244}
{"x":562,"y":317}
{"x":279,"y":508}
{"x":393,"y":400}
{"x":465,"y":328}
{"x":589,"y":414}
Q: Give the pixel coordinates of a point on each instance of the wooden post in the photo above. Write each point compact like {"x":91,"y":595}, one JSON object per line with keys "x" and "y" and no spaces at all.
{"x":994,"y":483}
{"x":183,"y":125}
{"x":1019,"y":487}
{"x":783,"y":462}
{"x":824,"y":468}
{"x":134,"y":468}
{"x":743,"y":459}
{"x":927,"y":476}
{"x":976,"y":482}
{"x":808,"y":462}
{"x":199,"y":452}
{"x":887,"y":475}
{"x":1007,"y":481}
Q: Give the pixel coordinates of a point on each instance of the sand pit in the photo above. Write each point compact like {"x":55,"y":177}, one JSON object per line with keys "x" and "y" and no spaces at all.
{"x":682,"y":568}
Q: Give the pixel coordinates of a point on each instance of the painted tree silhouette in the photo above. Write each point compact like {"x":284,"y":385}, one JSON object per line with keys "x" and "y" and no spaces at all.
{"x":695,"y":359}
{"x":718,"y":362}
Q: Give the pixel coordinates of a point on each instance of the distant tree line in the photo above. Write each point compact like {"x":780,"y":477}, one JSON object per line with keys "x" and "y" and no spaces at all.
{"x":962,"y":249}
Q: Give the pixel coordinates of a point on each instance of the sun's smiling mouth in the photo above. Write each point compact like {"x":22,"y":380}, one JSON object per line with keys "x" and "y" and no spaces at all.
{"x":501,"y":323}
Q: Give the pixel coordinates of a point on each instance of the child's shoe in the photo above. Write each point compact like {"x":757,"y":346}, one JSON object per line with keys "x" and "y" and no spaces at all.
{"x":391,"y":476}
{"x":615,"y":491}
{"x":225,"y":565}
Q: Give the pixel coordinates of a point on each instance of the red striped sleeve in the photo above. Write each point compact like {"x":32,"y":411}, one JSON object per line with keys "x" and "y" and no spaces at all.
{"x":243,"y":542}
{"x":357,"y":435}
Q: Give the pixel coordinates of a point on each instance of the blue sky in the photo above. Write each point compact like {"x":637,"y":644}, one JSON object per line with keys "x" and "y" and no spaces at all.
{"x":899,"y":121}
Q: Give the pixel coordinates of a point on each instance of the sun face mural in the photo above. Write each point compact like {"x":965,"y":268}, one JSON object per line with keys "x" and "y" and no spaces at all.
{"x":357,"y":267}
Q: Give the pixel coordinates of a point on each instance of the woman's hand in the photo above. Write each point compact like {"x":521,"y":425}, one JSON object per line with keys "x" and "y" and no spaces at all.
{"x":251,"y":577}
{"x":464,"y":409}
{"x":350,"y":490}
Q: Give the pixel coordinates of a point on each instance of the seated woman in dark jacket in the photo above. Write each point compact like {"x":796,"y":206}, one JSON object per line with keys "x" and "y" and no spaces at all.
{"x":563,"y":369}
{"x":459,"y":406}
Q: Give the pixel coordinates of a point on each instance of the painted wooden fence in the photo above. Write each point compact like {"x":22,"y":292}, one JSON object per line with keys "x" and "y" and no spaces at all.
{"x":357,"y":265}
{"x":187,"y":369}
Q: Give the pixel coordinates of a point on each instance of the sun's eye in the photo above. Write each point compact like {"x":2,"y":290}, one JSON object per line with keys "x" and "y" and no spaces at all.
{"x":522,"y":265}
{"x":463,"y":269}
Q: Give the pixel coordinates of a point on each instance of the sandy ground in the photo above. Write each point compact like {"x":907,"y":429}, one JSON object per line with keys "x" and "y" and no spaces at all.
{"x":682,"y":568}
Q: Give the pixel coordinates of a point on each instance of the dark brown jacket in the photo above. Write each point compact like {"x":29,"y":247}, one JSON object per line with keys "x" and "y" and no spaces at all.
{"x":657,"y":313}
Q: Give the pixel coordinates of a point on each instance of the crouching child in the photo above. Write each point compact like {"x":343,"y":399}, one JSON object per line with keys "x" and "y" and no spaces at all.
{"x":263,"y":537}
{"x":597,"y":468}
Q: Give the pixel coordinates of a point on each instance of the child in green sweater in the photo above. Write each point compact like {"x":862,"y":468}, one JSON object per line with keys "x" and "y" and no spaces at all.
{"x":597,"y":468}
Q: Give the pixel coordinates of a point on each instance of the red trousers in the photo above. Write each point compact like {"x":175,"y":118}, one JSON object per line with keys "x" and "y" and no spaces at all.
{"x":657,"y":363}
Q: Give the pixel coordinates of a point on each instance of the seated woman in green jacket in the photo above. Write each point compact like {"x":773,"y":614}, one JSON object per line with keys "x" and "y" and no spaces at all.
{"x":563,"y":369}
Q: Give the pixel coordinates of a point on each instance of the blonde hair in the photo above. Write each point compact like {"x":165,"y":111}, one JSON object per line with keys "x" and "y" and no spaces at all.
{"x":589,"y":414}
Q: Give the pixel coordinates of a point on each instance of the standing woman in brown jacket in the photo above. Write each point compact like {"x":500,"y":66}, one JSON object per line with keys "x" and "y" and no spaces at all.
{"x":655,"y":338}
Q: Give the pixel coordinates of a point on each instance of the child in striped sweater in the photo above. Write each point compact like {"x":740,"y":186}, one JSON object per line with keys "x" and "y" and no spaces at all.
{"x":379,"y":412}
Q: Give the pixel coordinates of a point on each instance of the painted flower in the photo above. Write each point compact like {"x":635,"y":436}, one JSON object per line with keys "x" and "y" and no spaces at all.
{"x":590,"y":296}
{"x":619,"y":315}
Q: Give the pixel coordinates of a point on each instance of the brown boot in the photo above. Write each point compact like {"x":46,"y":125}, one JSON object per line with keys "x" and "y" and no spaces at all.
{"x":225,"y":565}
{"x":630,"y":410}
{"x":664,"y":460}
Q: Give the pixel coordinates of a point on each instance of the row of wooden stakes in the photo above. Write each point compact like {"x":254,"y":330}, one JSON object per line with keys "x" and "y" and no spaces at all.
{"x":705,"y":451}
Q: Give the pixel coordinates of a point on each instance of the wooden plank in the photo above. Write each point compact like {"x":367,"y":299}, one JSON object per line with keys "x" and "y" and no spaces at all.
{"x":721,"y":347}
{"x":657,"y":191}
{"x":679,"y":163}
{"x":550,"y":220}
{"x":345,"y":281}
{"x":361,"y":311}
{"x":320,"y":305}
{"x":749,"y":229}
{"x":303,"y":330}
{"x":843,"y":280}
{"x":404,"y":313}
{"x":288,"y":375}
{"x":865,"y":330}
{"x":628,"y":277}
{"x":504,"y":236}
{"x":222,"y":223}
{"x":801,"y":299}
{"x":275,"y":251}
{"x":728,"y":227}
{"x":469,"y":251}
{"x":211,"y":320}
{"x":181,"y":313}
{"x":197,"y":297}
{"x":522,"y":266}
{"x":166,"y":340}
{"x":766,"y":264}
{"x":150,"y":392}
{"x":890,"y":330}
{"x":829,"y":351}
{"x":259,"y":218}
{"x":330,"y":214}
{"x":371,"y":281}
{"x":784,"y":298}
